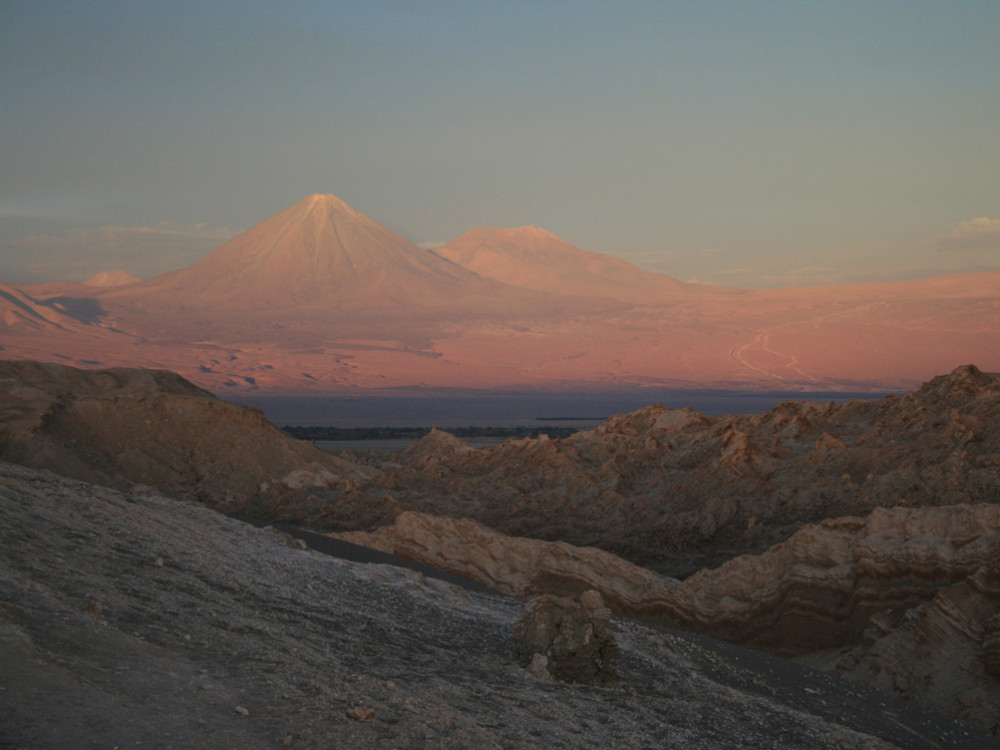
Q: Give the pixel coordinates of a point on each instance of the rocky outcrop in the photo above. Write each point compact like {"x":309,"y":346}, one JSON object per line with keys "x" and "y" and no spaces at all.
{"x":516,"y":565}
{"x":818,"y":590}
{"x":122,"y":427}
{"x":822,"y":588}
{"x":677,"y":491}
{"x":433,"y":448}
{"x":567,"y":639}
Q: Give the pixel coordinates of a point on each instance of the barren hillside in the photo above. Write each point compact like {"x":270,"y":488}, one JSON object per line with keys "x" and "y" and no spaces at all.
{"x":131,"y":619}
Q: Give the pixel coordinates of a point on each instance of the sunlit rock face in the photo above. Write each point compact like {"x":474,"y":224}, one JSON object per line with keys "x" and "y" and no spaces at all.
{"x":517,"y":566}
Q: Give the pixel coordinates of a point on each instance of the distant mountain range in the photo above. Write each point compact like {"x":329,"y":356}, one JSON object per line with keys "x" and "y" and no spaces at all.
{"x":321,"y":298}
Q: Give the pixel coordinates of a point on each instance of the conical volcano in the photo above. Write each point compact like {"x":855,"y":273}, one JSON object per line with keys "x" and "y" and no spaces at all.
{"x":318,"y":253}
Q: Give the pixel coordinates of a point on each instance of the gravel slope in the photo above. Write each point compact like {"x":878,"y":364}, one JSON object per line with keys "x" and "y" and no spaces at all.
{"x":132,"y":620}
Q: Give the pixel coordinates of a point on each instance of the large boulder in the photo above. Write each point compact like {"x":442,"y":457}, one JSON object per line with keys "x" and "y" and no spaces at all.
{"x":567,"y":639}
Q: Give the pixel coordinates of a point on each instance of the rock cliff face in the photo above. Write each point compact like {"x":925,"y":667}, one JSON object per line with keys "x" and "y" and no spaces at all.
{"x":678,"y":491}
{"x":121,"y":427}
{"x":941,"y":653}
{"x":820,"y":588}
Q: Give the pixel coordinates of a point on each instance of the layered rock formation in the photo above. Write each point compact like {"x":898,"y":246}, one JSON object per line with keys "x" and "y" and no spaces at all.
{"x":821,"y":588}
{"x":517,"y":566}
{"x":905,"y":599}
{"x":678,"y":491}
{"x":942,"y":653}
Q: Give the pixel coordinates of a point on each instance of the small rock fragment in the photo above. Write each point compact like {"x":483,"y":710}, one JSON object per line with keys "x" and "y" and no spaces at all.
{"x":361,"y":713}
{"x":242,"y":711}
{"x":539,"y":667}
{"x":94,"y":607}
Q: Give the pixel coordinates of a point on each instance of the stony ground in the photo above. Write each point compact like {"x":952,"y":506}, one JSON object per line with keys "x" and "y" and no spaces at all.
{"x":132,"y":620}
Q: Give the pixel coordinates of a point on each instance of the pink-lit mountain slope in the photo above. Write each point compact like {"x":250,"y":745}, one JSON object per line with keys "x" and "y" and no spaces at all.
{"x":21,"y":313}
{"x":320,"y":298}
{"x":534,"y":258}
{"x":318,"y":253}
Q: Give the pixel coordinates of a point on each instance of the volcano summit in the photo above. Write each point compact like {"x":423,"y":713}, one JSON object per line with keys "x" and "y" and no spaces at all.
{"x":318,"y":254}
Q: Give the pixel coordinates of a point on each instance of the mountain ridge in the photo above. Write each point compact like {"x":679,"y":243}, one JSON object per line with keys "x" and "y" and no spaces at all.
{"x":321,"y":298}
{"x":535,"y":258}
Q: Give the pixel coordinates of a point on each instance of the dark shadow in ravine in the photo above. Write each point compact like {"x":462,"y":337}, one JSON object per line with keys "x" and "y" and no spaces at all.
{"x":83,"y":309}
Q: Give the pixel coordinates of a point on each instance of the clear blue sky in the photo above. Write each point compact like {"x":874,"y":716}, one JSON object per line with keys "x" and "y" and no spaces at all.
{"x":744,"y":143}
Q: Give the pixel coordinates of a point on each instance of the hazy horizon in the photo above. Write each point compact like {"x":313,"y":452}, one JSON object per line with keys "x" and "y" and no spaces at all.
{"x":493,"y":408}
{"x":758,"y":145}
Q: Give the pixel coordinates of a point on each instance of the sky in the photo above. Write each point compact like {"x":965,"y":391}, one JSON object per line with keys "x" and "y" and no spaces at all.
{"x":755,"y":143}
